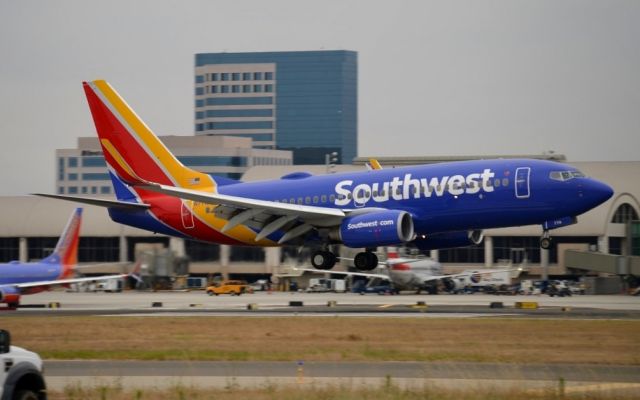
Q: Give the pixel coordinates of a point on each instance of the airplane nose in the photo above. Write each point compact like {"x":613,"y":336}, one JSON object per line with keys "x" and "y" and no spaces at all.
{"x":596,"y":192}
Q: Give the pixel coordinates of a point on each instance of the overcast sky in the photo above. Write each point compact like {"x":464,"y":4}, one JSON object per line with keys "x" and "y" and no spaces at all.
{"x":435,"y":77}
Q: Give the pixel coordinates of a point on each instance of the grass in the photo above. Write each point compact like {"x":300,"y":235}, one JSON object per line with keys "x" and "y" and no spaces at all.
{"x":328,"y":339}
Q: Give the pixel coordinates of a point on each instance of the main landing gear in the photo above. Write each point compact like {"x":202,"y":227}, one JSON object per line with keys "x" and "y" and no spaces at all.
{"x":325,"y":260}
{"x":366,"y":261}
{"x":545,"y":240}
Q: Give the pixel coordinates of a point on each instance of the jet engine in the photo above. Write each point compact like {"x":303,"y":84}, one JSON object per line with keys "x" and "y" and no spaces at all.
{"x":10,"y":296}
{"x":449,"y":240}
{"x":379,"y":228}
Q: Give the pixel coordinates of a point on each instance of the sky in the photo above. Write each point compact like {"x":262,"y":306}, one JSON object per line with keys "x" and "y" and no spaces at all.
{"x":435,"y":77}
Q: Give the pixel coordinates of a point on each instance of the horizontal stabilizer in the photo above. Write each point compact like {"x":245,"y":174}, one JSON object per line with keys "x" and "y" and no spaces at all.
{"x":96,"y":202}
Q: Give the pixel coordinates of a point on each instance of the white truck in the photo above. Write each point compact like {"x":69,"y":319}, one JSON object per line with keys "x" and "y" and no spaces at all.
{"x":327,"y":285}
{"x":20,"y":373}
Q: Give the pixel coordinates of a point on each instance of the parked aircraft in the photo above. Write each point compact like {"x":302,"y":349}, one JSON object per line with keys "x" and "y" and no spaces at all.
{"x":418,"y":274}
{"x":428,"y":206}
{"x":17,"y":279}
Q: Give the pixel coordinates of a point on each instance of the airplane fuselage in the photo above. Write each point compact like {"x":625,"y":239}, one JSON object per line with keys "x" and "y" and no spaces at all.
{"x":15,"y":272}
{"x":442,"y":197}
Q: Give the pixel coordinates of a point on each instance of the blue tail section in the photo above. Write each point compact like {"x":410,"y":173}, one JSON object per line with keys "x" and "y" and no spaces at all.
{"x":122,"y":191}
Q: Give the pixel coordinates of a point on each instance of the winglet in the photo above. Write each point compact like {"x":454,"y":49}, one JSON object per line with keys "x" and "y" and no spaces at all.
{"x":374,"y":164}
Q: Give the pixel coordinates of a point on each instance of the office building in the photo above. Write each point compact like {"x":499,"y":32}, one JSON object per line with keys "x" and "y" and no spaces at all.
{"x":303,"y":101}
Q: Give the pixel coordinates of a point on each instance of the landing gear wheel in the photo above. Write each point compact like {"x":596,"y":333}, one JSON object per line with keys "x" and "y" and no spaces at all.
{"x":545,"y":242}
{"x":366,"y":261}
{"x":323,"y":260}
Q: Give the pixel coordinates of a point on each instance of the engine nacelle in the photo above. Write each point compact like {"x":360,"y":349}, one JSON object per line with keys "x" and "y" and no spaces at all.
{"x":9,"y":295}
{"x":380,"y":228}
{"x":449,"y":240}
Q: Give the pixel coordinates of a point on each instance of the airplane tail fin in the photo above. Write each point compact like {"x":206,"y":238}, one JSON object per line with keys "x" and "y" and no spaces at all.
{"x":66,"y":251}
{"x":131,"y":149}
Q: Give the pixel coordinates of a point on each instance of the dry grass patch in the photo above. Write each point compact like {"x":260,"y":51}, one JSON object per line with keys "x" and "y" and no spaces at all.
{"x":328,"y":339}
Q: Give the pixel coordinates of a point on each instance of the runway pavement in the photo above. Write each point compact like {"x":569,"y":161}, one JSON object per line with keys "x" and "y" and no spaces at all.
{"x":278,"y":303}
{"x":165,"y":374}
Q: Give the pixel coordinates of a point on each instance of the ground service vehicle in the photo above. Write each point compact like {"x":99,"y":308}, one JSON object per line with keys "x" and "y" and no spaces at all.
{"x":231,"y":287}
{"x":20,"y":373}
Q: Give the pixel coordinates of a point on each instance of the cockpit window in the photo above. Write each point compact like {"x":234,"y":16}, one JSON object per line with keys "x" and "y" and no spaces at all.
{"x":565,"y":175}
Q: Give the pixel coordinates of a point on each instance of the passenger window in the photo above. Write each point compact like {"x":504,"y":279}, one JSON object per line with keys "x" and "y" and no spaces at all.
{"x":315,"y":199}
{"x":292,"y":200}
{"x":505,"y":181}
{"x":323,"y":198}
{"x":307,"y":200}
{"x":496,"y":183}
{"x":332,"y":198}
{"x":299,"y":200}
{"x":284,"y":200}
{"x":375,"y":193}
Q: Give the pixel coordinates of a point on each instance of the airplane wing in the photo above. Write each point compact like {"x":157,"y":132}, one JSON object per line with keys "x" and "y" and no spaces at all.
{"x":29,"y":285}
{"x":389,"y":263}
{"x":431,"y":278}
{"x":302,"y":211}
{"x":364,"y":274}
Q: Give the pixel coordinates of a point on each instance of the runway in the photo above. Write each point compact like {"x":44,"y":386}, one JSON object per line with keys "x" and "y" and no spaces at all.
{"x":165,"y":374}
{"x":310,"y":304}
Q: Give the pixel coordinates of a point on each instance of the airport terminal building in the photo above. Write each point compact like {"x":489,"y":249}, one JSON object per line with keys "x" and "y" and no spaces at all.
{"x":32,"y":224}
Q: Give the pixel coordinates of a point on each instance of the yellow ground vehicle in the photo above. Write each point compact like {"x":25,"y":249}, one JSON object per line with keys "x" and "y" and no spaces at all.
{"x":232,"y":287}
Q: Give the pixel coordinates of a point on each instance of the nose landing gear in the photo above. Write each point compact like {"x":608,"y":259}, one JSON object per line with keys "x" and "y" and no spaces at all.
{"x":545,"y":240}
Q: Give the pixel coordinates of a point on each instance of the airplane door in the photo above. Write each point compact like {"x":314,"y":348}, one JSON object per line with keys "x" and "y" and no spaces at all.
{"x":522,"y":182}
{"x":187,"y":214}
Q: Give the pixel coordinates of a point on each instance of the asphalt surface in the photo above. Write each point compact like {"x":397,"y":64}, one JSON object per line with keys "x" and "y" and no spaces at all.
{"x":571,"y":378}
{"x":197,"y":303}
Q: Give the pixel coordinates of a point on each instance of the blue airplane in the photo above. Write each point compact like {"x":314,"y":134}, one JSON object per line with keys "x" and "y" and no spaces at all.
{"x":428,"y":206}
{"x":17,"y":279}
